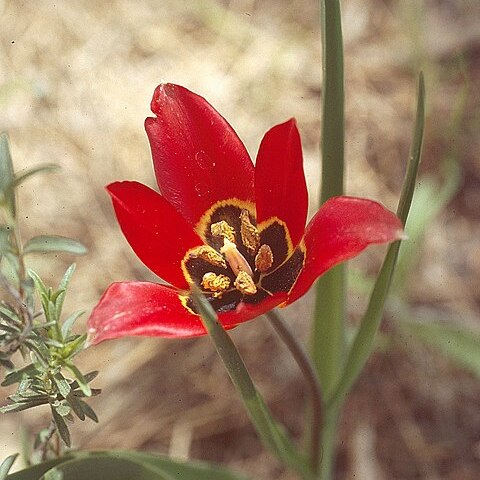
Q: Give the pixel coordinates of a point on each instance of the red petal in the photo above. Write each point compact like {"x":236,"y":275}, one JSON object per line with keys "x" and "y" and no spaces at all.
{"x":143,"y":309}
{"x":154,"y":229}
{"x":280,"y":188}
{"x":198,"y":157}
{"x":153,"y":310}
{"x":341,"y":229}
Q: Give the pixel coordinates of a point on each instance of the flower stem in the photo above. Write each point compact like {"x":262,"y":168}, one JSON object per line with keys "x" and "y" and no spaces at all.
{"x":311,"y":378}
{"x":271,"y":433}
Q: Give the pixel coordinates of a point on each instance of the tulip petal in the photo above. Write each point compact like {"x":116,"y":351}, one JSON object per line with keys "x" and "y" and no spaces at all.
{"x":154,"y":229}
{"x":198,"y":157}
{"x":150,"y":309}
{"x":341,"y":229}
{"x":280,"y":188}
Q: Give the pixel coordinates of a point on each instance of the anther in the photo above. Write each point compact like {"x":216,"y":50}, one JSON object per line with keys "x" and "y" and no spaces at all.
{"x":249,"y":232}
{"x":210,"y":255}
{"x":215,"y":283}
{"x":244,"y":283}
{"x":234,"y":258}
{"x":223,"y":229}
{"x":264,"y":258}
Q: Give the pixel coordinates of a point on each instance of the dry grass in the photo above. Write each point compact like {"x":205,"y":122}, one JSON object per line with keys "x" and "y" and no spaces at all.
{"x":76,"y":79}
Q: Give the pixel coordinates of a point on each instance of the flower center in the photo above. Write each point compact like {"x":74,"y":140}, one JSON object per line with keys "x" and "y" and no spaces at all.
{"x":229,"y":257}
{"x":239,"y":262}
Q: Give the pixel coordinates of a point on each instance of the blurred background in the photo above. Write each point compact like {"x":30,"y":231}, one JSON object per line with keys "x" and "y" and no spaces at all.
{"x":76,"y":79}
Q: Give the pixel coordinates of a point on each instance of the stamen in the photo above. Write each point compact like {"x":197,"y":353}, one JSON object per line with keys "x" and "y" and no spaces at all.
{"x":245,"y":284}
{"x":249,"y":232}
{"x":223,"y":229}
{"x":209,"y":254}
{"x":264,"y":258}
{"x":215,"y":283}
{"x":234,"y":258}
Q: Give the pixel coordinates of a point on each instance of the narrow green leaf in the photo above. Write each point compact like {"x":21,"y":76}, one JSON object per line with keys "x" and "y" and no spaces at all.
{"x":81,"y":381}
{"x":6,"y":465}
{"x":69,"y":322}
{"x":5,"y":245}
{"x":456,"y":342}
{"x":123,"y":465}
{"x":62,"y":385}
{"x":67,"y":276}
{"x":88,"y":410}
{"x":364,"y":340}
{"x":7,"y":196}
{"x":54,"y":243}
{"x":269,"y":431}
{"x":61,"y":427}
{"x":73,"y":347}
{"x":17,"y":375}
{"x":20,"y":407}
{"x":39,"y":285}
{"x":19,"y":178}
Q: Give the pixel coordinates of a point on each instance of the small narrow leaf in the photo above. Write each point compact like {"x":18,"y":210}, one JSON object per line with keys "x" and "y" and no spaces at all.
{"x":19,"y":178}
{"x":62,"y":385}
{"x":5,"y":245}
{"x":69,"y":322}
{"x":81,"y":381}
{"x":39,"y":285}
{"x":364,"y":340}
{"x":61,"y":427}
{"x":7,"y":196}
{"x":88,"y":410}
{"x":54,"y":243}
{"x":17,"y":375}
{"x":67,"y":276}
{"x":6,"y":465}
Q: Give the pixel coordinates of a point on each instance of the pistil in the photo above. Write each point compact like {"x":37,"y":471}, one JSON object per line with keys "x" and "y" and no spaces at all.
{"x":234,"y":258}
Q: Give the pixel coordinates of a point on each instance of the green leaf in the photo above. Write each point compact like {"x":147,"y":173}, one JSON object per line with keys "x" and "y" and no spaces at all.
{"x":54,"y":243}
{"x":19,"y":178}
{"x":81,"y":381}
{"x":121,"y":465}
{"x":364,"y":340}
{"x":17,"y":375}
{"x":62,"y":385}
{"x":5,"y":245}
{"x":6,"y":465}
{"x":7,"y":195}
{"x":73,"y":347}
{"x":39,"y":285}
{"x":88,"y":410}
{"x":456,"y":342}
{"x":20,"y":407}
{"x":69,"y":322}
{"x":270,"y":432}
{"x":61,"y":427}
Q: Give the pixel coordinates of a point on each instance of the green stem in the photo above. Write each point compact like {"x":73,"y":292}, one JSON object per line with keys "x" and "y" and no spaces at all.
{"x":328,"y":330}
{"x":311,"y":378}
{"x":328,"y":335}
{"x":271,"y":433}
{"x":329,"y":444}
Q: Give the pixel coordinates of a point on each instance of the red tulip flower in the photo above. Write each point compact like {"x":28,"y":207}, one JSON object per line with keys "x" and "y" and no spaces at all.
{"x":235,"y":230}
